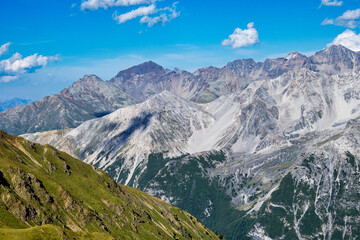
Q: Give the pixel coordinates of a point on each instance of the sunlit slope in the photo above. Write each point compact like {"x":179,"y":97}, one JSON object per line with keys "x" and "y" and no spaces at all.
{"x":47,"y":194}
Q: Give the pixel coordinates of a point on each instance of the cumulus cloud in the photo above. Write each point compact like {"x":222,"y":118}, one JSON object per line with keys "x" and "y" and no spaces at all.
{"x":4,"y":48}
{"x":165,"y":15}
{"x":96,"y":4}
{"x":242,"y":38}
{"x":16,"y":65}
{"x":168,"y":14}
{"x":349,"y":19}
{"x":150,"y":14}
{"x":348,"y":39}
{"x":331,"y":2}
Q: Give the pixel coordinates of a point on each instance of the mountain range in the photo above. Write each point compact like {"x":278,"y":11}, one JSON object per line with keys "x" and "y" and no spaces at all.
{"x":88,"y":98}
{"x":91,"y":97}
{"x":13,"y":103}
{"x":255,"y":150}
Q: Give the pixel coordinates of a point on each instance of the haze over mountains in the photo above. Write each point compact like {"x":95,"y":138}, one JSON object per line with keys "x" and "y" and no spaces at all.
{"x":238,"y":145}
{"x":88,"y":98}
{"x":13,"y":103}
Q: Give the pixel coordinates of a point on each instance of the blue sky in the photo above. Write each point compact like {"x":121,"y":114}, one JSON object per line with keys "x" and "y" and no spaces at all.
{"x":71,"y":40}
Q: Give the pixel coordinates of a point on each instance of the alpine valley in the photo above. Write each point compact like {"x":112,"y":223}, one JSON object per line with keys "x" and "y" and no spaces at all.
{"x":254,"y":150}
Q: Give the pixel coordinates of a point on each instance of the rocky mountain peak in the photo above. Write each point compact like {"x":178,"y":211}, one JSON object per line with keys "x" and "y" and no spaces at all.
{"x":241,"y":65}
{"x":295,"y":55}
{"x":83,"y":84}
{"x":334,"y":60}
{"x":89,"y":78}
{"x":144,"y":68}
{"x":336,"y":48}
{"x":336,"y":52}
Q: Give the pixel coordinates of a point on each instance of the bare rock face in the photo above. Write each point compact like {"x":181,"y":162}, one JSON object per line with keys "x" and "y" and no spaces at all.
{"x":147,"y":79}
{"x":204,"y":85}
{"x":207,"y":84}
{"x":334,"y":60}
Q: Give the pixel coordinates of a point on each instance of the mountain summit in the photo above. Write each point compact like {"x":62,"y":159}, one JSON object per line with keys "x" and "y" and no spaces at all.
{"x":144,"y":68}
{"x":334,"y":60}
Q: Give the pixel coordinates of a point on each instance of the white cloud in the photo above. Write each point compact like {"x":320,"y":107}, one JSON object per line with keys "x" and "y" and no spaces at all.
{"x":169,"y":13}
{"x":96,"y":4}
{"x":162,"y":15}
{"x":348,"y":39}
{"x":4,"y":48}
{"x":349,"y":19}
{"x":242,"y":38}
{"x":139,"y":12}
{"x":8,"y":78}
{"x":16,"y":65}
{"x":327,"y":21}
{"x":331,"y":2}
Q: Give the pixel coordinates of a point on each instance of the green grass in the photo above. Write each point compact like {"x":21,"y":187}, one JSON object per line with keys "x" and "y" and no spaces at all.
{"x":75,"y":196}
{"x":49,"y":232}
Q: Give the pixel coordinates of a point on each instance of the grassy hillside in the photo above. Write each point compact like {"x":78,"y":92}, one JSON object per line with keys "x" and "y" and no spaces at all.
{"x":47,"y":194}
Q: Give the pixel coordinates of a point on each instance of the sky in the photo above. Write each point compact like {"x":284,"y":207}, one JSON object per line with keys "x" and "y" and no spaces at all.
{"x":46,"y":45}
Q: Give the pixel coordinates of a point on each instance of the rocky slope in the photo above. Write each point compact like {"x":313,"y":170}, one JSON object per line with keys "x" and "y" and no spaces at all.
{"x":223,"y":161}
{"x":46,"y":194}
{"x":88,"y":98}
{"x":121,"y":141}
{"x":267,"y":113}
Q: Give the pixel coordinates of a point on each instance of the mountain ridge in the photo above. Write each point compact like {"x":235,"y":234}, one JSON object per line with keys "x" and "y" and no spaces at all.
{"x":239,"y":147}
{"x":46,"y":194}
{"x":140,"y":82}
{"x":88,"y":98}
